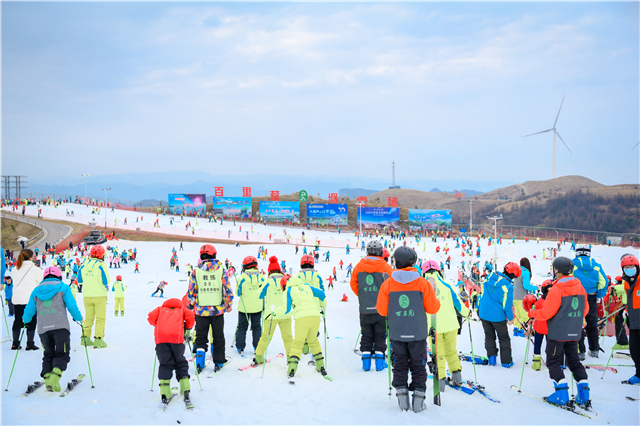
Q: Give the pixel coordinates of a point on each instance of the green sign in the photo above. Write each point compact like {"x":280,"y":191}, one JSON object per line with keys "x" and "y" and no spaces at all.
{"x":575,"y":303}
{"x":302,"y":196}
{"x":369,"y":280}
{"x":404,"y":301}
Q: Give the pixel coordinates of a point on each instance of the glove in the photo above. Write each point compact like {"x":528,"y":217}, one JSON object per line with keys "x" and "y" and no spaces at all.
{"x":187,"y":335}
{"x":625,"y":314}
{"x":190,"y":307}
{"x":599,"y":300}
{"x":273,"y":308}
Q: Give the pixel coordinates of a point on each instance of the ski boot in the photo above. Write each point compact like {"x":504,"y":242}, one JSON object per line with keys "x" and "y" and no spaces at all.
{"x":16,"y":346}
{"x":381,"y":364}
{"x":217,"y":366}
{"x":121,"y":313}
{"x":116,"y":313}
{"x":185,"y":386}
{"x":403,"y":398}
{"x":52,"y":380}
{"x":508,"y":365}
{"x":418,"y":400}
{"x":594,"y":354}
{"x":86,"y":341}
{"x":492,"y":360}
{"x":582,"y":356}
{"x":319,"y":359}
{"x":98,"y":343}
{"x":292,"y":367}
{"x":561,"y":395}
{"x":582,"y":398}
{"x":31,"y":346}
{"x":165,"y":390}
{"x":618,"y":346}
{"x":518,"y":332}
{"x":537,"y":362}
{"x":200,"y":354}
{"x":258,"y":360}
{"x":456,"y":378}
{"x":634,"y":380}
{"x":442,"y":383}
{"x":366,"y":361}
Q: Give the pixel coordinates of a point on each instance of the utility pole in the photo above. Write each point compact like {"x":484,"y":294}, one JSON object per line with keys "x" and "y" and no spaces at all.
{"x":360,"y":204}
{"x":495,"y":238}
{"x":470,"y":217}
{"x":105,"y":206}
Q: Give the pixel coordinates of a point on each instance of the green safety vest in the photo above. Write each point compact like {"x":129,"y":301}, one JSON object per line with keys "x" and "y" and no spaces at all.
{"x":209,"y":287}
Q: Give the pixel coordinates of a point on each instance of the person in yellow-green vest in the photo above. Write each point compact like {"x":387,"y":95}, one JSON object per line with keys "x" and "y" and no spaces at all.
{"x":271,"y":295}
{"x":248,"y":287}
{"x":304,"y":302}
{"x":313,"y":278}
{"x":118,"y":295}
{"x":447,"y":325}
{"x":94,"y":278}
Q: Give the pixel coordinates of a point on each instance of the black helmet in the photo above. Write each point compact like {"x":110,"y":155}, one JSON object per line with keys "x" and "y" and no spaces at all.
{"x":374,"y":248}
{"x":404,"y":257}
{"x":563,"y":265}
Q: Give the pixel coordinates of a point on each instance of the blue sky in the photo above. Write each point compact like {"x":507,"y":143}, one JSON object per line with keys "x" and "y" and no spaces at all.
{"x":446,"y":89}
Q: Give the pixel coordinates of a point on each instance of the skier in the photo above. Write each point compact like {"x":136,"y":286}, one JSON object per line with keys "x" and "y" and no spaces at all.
{"x":630,"y":267}
{"x":94,"y":278}
{"x":304,"y":301}
{"x":8,"y":293}
{"x":211,"y":295}
{"x":330,"y":279}
{"x":447,"y":325}
{"x":366,"y":280}
{"x":539,"y":326}
{"x":496,"y":308}
{"x":26,"y":276}
{"x":618,"y":294}
{"x":50,"y":301}
{"x":172,"y":324}
{"x":248,"y":287}
{"x":271,"y":295}
{"x":160,"y":289}
{"x":118,"y":290}
{"x":349,"y":269}
{"x":595,"y":282}
{"x":405,"y":292}
{"x":564,"y":309}
{"x":521,"y":287}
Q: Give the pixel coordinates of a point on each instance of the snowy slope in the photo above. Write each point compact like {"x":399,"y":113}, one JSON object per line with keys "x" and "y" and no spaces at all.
{"x":122,"y":372}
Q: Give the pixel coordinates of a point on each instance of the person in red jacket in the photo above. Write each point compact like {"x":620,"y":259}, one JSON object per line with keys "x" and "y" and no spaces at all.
{"x":172,"y":322}
{"x":564,"y":309}
{"x":539,"y":326}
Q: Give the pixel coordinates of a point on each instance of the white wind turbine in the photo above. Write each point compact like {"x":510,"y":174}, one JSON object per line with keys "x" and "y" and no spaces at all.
{"x":555,"y":132}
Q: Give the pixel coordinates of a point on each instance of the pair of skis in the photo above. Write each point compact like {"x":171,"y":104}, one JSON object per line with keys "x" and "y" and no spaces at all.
{"x":571,"y":406}
{"x":70,"y":386}
{"x":175,"y":391}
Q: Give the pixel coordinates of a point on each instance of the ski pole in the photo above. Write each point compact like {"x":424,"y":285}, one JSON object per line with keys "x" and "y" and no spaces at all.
{"x":611,"y":354}
{"x":155,"y":360}
{"x":324,"y":321}
{"x":5,"y":317}
{"x":473,"y":356}
{"x":15,"y":359}
{"x":526,"y":351}
{"x":195,"y":366}
{"x":267,"y":347}
{"x":84,"y":341}
{"x":357,"y":340}
{"x":388,"y":355}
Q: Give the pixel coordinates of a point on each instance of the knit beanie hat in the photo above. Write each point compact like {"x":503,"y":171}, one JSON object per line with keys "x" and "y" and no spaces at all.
{"x":273,"y":264}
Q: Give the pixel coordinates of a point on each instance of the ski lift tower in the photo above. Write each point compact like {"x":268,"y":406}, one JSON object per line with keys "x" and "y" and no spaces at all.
{"x":393,"y":176}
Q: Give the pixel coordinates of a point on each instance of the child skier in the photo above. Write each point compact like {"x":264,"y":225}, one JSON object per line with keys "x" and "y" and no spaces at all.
{"x":8,"y":293}
{"x":160,"y":289}
{"x":539,"y":326}
{"x":565,"y":308}
{"x":248,"y":288}
{"x":447,"y":325}
{"x":50,"y":301}
{"x":118,"y":294}
{"x":367,"y":278}
{"x":172,"y":324}
{"x":404,"y":292}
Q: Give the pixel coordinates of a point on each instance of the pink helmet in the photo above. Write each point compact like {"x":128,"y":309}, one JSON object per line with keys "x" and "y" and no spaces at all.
{"x":430,"y":264}
{"x":52,"y":270}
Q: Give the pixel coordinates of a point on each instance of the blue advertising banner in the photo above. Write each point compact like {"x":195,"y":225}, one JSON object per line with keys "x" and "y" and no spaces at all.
{"x":276,"y":211}
{"x":429,"y":219}
{"x":232,"y":207}
{"x":187,"y":203}
{"x":329,"y":214}
{"x":379,"y":217}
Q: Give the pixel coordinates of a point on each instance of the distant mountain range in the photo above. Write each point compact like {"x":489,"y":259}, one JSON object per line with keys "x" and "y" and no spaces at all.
{"x":135,"y":187}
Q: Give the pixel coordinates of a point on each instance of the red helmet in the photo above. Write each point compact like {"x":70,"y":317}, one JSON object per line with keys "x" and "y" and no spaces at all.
{"x":249,"y":262}
{"x":208,"y":249}
{"x":618,"y":279}
{"x":546,"y":283}
{"x":307,"y":259}
{"x":119,"y":278}
{"x":385,"y":254}
{"x":528,"y":302}
{"x":97,"y":251}
{"x":629,"y":260}
{"x":513,"y":268}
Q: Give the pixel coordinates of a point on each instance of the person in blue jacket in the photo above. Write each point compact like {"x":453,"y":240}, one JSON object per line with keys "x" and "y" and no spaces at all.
{"x":595,"y":282}
{"x":50,"y":300}
{"x":496,"y":308}
{"x":521,"y":287}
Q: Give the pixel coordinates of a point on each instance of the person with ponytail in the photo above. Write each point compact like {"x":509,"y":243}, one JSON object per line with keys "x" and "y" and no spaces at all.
{"x":26,"y":276}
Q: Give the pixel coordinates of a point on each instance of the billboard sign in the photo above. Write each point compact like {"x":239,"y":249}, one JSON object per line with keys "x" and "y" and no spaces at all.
{"x":329,"y":214}
{"x":276,"y":211}
{"x":379,"y":217}
{"x":429,"y":219}
{"x":187,"y":203}
{"x":232,"y":207}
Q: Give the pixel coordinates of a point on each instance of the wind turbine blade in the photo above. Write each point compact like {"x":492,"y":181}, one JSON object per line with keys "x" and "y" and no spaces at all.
{"x":554,"y":123}
{"x":634,"y":147}
{"x":562,"y":141}
{"x":544,"y":131}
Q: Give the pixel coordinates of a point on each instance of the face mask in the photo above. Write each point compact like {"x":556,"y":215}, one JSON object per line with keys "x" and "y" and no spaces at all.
{"x":630,"y":272}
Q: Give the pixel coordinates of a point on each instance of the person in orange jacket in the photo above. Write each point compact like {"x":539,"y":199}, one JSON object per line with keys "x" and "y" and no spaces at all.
{"x":407,"y":297}
{"x":366,"y":280}
{"x":565,"y":308}
{"x":172,"y":322}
